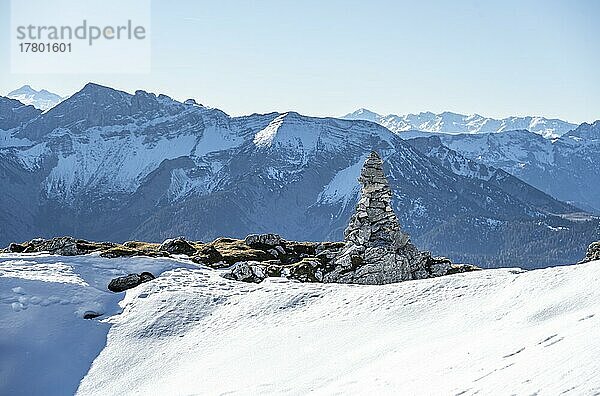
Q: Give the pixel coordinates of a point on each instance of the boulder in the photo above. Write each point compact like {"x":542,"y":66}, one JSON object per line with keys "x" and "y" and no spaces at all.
{"x":91,"y":314}
{"x":263,"y":240}
{"x":130,"y":281}
{"x":15,"y":248}
{"x":63,"y":246}
{"x":177,"y":246}
{"x":247,"y":271}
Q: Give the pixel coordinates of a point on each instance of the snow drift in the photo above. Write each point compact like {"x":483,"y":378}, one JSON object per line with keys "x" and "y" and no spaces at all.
{"x":192,"y":332}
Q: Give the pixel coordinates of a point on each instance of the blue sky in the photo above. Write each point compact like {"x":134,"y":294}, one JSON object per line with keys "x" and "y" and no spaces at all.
{"x":495,"y":58}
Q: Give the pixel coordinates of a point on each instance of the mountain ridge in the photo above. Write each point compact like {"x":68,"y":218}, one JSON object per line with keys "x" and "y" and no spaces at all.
{"x":449,"y":122}
{"x":148,"y":167}
{"x":42,"y":99}
{"x":566,"y":168}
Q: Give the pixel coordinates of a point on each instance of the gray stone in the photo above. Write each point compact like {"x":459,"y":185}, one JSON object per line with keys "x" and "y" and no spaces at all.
{"x":247,"y":271}
{"x":130,"y":281}
{"x":263,"y":240}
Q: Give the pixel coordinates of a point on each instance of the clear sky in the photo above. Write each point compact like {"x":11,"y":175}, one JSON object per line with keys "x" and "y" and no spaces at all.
{"x":330,"y":57}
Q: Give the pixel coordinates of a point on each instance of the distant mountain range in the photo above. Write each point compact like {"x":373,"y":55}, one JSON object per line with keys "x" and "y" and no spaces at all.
{"x":448,"y":122}
{"x":567,"y":168}
{"x":108,"y":165}
{"x":42,"y":99}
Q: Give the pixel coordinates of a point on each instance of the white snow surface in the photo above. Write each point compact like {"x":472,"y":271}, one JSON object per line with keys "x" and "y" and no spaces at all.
{"x":343,"y":186}
{"x":46,"y":347}
{"x":503,"y":331}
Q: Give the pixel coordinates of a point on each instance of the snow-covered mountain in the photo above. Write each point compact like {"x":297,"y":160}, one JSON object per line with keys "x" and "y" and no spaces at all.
{"x":448,"y":122}
{"x":108,"y":165}
{"x":42,"y":99}
{"x":566,"y":168}
{"x":190,"y":331}
{"x":433,"y":148}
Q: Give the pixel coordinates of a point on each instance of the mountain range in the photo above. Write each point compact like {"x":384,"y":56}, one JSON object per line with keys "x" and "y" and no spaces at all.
{"x":108,"y":165}
{"x":41,"y":99}
{"x":448,"y":122}
{"x":566,"y":168}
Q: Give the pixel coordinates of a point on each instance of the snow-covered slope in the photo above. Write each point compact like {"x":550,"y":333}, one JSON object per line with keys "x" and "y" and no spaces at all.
{"x":192,"y":332}
{"x":45,"y":344}
{"x":42,"y":99}
{"x":448,"y":122}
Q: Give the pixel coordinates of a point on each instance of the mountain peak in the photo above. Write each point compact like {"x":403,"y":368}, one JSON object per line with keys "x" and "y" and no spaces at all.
{"x":362,"y":114}
{"x":587,"y":131}
{"x":97,"y":93}
{"x":91,"y":87}
{"x":42,"y":99}
{"x":25,"y":89}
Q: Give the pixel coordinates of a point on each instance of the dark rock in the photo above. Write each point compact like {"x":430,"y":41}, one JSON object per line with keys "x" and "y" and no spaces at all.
{"x":118,"y":251}
{"x":91,"y":315}
{"x":146,"y":277}
{"x":16,"y":248}
{"x":177,"y":246}
{"x":208,"y":255}
{"x":592,"y":253}
{"x":130,"y":281}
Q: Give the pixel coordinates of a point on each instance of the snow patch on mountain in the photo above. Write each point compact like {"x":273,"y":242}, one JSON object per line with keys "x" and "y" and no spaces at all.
{"x":216,"y":139}
{"x":118,"y":164}
{"x":290,"y":131}
{"x":182,"y":185}
{"x":520,"y":148}
{"x":42,"y":99}
{"x":265,"y":137}
{"x":448,"y":122}
{"x":343,"y":186}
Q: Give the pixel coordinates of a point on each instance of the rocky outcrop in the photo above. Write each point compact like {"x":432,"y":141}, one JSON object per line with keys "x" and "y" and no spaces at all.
{"x":592,"y":253}
{"x":64,"y":246}
{"x":263,"y":240}
{"x":309,"y":269}
{"x":376,"y":249}
{"x":130,"y":281}
{"x":302,"y":261}
{"x":177,"y":246}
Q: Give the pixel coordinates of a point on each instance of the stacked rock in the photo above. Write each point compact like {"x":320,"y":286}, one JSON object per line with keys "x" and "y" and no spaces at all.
{"x":377,"y":251}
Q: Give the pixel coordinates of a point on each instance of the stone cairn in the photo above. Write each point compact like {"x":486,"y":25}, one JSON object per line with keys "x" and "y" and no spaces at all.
{"x":376,"y":249}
